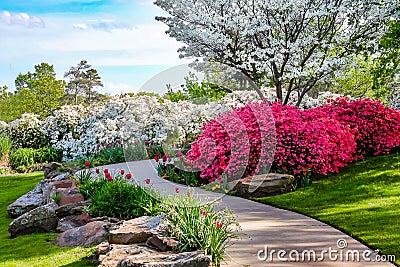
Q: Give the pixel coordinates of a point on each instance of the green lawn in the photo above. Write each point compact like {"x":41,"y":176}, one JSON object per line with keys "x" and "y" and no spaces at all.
{"x":36,"y":249}
{"x":363,"y":200}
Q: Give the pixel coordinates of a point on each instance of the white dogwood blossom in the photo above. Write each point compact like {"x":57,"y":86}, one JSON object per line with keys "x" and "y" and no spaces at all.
{"x":293,"y":43}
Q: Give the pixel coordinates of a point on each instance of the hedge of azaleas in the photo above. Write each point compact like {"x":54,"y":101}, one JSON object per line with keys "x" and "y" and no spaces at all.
{"x":320,"y":140}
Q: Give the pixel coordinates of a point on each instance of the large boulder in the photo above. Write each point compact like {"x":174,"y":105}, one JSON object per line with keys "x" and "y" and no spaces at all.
{"x":266,"y":185}
{"x":113,"y":255}
{"x":40,"y":220}
{"x":35,"y":198}
{"x":90,"y":234}
{"x":136,"y":230}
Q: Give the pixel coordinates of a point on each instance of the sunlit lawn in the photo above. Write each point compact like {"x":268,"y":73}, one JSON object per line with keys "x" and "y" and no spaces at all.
{"x":35,"y":249}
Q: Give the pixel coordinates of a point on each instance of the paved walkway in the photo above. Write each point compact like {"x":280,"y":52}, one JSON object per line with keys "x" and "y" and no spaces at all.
{"x":263,"y":225}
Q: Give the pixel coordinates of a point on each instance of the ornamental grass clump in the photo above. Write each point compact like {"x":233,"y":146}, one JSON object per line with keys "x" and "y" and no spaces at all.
{"x":198,"y":225}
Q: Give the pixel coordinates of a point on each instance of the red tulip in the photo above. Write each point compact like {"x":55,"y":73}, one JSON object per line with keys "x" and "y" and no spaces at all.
{"x":156,"y":158}
{"x":128,"y":176}
{"x":177,"y":190}
{"x":146,"y":142}
{"x":188,"y":194}
{"x":97,"y":170}
{"x":122,"y":172}
{"x":105,"y":170}
{"x":218,"y":224}
{"x":87,"y":163}
{"x":147,"y":181}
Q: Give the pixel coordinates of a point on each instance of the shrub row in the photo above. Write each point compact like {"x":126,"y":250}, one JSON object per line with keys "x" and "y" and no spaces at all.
{"x":320,"y":140}
{"x":25,"y":159}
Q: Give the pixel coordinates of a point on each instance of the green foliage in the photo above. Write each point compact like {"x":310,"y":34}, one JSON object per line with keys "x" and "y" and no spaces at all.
{"x":387,"y":65}
{"x":27,"y":159}
{"x":47,"y":154}
{"x":22,"y":159}
{"x":38,"y":92}
{"x":109,"y":154}
{"x":199,"y":225}
{"x":357,"y":200}
{"x":56,"y":197}
{"x":199,"y":93}
{"x":119,"y":198}
{"x":178,"y":175}
{"x":34,"y":249}
{"x":5,"y":145}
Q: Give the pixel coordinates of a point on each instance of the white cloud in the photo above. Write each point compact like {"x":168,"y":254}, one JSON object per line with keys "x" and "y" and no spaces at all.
{"x":113,"y":88}
{"x":143,"y":45}
{"x":106,"y":25}
{"x":22,"y":19}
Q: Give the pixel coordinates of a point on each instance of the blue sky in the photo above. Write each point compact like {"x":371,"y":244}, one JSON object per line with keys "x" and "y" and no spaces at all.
{"x":119,"y":38}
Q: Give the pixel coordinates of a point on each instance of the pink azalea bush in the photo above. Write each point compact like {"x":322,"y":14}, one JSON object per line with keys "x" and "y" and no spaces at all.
{"x":377,"y":127}
{"x":319,"y":140}
{"x":235,"y":139}
{"x":309,"y":140}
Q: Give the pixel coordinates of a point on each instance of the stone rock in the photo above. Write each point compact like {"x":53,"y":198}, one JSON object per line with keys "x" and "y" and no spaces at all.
{"x":50,"y":167}
{"x":61,"y":176}
{"x":39,"y":220}
{"x":72,"y":209}
{"x":163,"y":243}
{"x":73,"y":221}
{"x":35,"y":198}
{"x":65,"y":183}
{"x":71,"y":198}
{"x":90,"y":234}
{"x":136,"y":230}
{"x":113,"y":255}
{"x":269,"y":185}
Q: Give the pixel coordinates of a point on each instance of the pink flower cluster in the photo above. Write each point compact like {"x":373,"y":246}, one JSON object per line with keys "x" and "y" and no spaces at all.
{"x":377,"y":127}
{"x":326,"y":138}
{"x":241,"y":141}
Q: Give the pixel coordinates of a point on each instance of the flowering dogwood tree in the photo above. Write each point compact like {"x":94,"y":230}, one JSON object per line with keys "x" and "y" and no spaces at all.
{"x":292,"y":43}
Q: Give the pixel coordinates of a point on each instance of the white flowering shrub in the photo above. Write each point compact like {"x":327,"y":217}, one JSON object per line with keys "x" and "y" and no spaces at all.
{"x":27,"y":132}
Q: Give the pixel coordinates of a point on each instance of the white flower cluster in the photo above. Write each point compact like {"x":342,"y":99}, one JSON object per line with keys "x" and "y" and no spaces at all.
{"x":78,"y":130}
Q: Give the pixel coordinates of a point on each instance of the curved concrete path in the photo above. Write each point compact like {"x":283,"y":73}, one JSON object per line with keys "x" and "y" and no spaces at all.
{"x":265,"y":227}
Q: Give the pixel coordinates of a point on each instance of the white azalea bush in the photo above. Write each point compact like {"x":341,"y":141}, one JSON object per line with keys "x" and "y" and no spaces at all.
{"x":27,"y":131}
{"x":79,"y":131}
